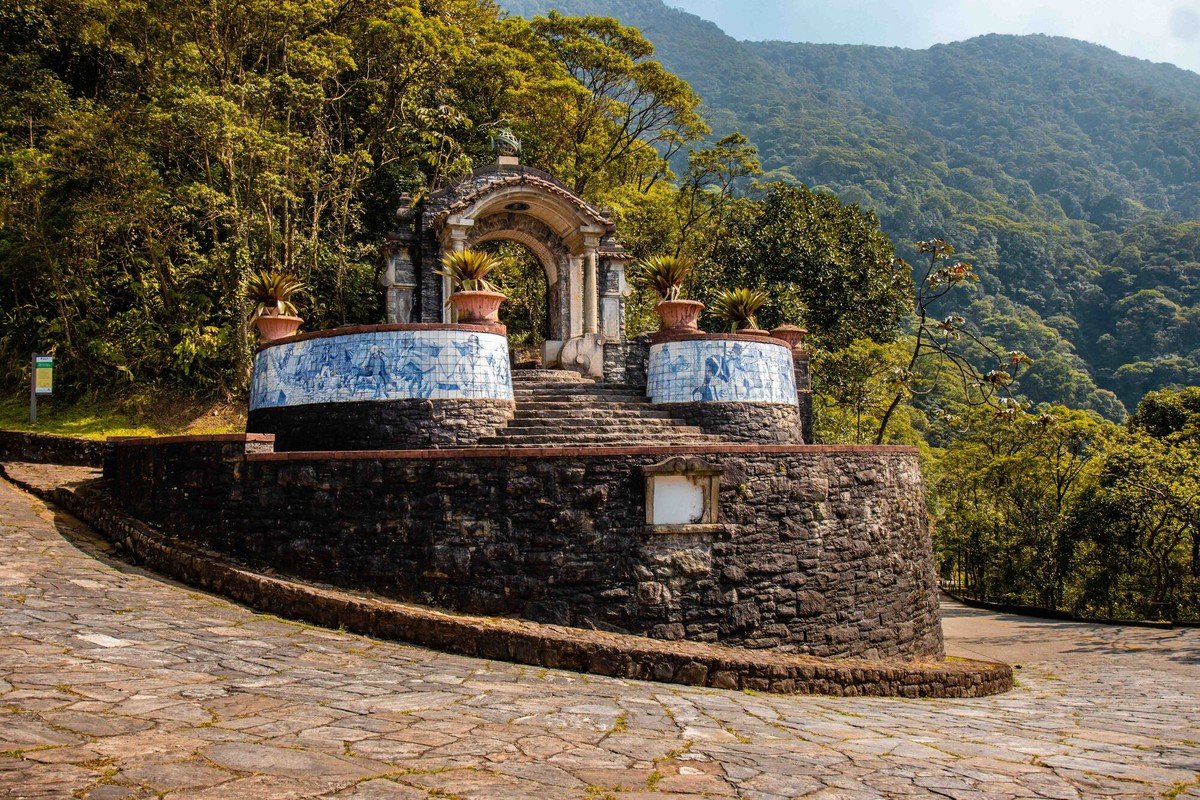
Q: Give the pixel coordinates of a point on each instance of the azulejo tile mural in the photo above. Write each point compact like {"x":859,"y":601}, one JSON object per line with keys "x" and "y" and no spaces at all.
{"x":383,"y":365}
{"x":720,"y":370}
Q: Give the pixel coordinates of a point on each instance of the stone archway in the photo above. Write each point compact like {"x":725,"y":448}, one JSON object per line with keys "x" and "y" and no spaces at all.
{"x":546,"y":247}
{"x":574,"y":242}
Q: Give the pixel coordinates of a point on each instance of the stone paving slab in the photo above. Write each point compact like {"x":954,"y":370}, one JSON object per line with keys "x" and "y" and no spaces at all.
{"x":116,"y":683}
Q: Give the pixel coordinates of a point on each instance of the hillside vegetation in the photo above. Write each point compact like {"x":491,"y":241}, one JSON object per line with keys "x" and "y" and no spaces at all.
{"x":1067,"y":173}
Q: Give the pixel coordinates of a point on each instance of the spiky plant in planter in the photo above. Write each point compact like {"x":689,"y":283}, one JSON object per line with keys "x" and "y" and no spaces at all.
{"x":665,"y":276}
{"x":274,"y":313}
{"x":738,"y":307}
{"x":474,"y":298}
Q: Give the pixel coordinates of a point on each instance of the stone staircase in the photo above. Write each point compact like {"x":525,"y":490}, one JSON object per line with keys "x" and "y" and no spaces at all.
{"x":559,"y":408}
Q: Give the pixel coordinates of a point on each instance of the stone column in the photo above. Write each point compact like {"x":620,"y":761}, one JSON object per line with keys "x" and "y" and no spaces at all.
{"x":613,"y":291}
{"x":591,"y":291}
{"x":804,"y":393}
{"x":457,"y":241}
{"x":399,"y":277}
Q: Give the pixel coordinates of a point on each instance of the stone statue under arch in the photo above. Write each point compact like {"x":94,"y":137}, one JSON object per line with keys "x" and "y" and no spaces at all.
{"x":574,"y":242}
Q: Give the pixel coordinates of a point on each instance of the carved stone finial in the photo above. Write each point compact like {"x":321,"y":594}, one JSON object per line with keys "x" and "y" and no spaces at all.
{"x":506,"y":143}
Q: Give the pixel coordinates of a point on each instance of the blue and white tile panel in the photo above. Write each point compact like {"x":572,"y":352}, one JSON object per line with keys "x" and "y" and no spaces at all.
{"x":720,"y":370}
{"x":383,"y":365}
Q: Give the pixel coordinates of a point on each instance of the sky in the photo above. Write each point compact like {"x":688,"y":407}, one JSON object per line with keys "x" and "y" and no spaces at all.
{"x":1158,"y":30}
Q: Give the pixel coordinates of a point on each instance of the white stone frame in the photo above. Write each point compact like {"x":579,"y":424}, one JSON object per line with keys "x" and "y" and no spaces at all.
{"x":703,"y":475}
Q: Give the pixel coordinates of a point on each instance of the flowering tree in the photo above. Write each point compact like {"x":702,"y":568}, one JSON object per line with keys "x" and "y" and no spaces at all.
{"x":939,"y":344}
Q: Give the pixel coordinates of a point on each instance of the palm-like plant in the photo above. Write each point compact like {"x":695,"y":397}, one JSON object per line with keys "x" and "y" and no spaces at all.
{"x":468,"y":270}
{"x":664,"y":274}
{"x":738,"y":307}
{"x":271,"y":291}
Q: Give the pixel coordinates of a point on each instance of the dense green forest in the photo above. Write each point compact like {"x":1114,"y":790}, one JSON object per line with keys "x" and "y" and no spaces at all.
{"x":153,"y":158}
{"x":1068,"y":174}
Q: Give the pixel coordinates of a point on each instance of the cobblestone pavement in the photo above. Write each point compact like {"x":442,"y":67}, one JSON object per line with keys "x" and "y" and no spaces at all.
{"x":118,"y":684}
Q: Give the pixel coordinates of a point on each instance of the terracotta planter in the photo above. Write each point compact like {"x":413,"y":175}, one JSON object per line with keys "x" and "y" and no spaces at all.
{"x":679,"y":315}
{"x":792,"y":334}
{"x":752,"y":332}
{"x":477,"y":306}
{"x":276,"y":326}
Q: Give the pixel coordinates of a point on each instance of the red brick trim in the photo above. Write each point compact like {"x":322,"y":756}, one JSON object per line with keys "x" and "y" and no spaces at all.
{"x":663,"y":337}
{"x":201,"y":438}
{"x":350,"y":330}
{"x":582,"y":452}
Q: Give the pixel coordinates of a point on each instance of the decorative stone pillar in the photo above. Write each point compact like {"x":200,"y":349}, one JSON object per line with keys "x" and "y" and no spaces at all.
{"x":455,"y":241}
{"x":614,"y":288}
{"x":399,"y":277}
{"x":591,"y":291}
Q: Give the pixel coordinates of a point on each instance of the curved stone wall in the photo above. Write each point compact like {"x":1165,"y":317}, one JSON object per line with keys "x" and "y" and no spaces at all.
{"x":720,"y":368}
{"x":820,"y":550}
{"x":770,"y":423}
{"x":382,"y":387}
{"x":738,"y":386}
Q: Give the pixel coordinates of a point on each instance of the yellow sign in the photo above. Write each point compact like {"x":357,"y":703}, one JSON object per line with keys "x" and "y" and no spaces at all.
{"x":43,"y":374}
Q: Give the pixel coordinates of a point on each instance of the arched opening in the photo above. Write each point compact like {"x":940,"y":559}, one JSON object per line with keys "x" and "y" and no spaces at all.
{"x":526,"y":313}
{"x":582,"y":282}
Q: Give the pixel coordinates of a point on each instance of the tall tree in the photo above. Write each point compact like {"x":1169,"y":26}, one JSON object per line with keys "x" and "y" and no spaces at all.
{"x":622,"y":117}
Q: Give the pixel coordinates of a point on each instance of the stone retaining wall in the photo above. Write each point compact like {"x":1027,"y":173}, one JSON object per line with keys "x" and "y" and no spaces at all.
{"x":45,"y":448}
{"x":551,"y":646}
{"x":381,"y":425}
{"x":820,"y":550}
{"x":743,"y":422}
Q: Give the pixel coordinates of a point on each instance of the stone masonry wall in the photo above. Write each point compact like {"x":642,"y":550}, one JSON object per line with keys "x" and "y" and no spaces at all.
{"x":742,"y":422}
{"x":819,"y":550}
{"x":625,"y":362}
{"x":381,"y":425}
{"x":51,"y":449}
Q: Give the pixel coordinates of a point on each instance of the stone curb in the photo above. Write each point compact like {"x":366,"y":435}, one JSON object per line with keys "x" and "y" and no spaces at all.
{"x":550,"y":646}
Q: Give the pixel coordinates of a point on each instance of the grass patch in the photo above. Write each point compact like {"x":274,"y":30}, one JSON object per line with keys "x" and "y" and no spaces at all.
{"x":142,"y":413}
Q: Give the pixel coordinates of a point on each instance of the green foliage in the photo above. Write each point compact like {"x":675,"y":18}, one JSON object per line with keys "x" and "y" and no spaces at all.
{"x":663,"y":275}
{"x":524,"y":313}
{"x":621,"y":117}
{"x":738,"y":306}
{"x":1005,"y":490}
{"x":853,"y":388}
{"x":468,"y":270}
{"x":152,"y":159}
{"x":271,"y":291}
{"x":1137,"y":532}
{"x":1059,"y":510}
{"x":824,"y":262}
{"x":1168,"y":414}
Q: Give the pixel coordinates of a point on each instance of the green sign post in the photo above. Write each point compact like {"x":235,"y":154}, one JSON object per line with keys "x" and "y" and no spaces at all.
{"x":41,"y":382}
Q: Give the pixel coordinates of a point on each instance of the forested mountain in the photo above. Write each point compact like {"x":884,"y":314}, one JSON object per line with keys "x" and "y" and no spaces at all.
{"x":1067,"y":173}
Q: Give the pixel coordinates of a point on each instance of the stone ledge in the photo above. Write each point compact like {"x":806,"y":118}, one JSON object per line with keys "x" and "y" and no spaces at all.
{"x":352,"y":330}
{"x":48,"y":448}
{"x":572,"y":452}
{"x":551,"y":646}
{"x":198,"y":438}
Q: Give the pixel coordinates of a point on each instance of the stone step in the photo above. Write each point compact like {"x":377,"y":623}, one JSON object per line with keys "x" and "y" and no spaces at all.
{"x":549,"y":376}
{"x":583,"y":402}
{"x":567,"y":391}
{"x":586,"y":412}
{"x":580,"y":440}
{"x":604,"y":425}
